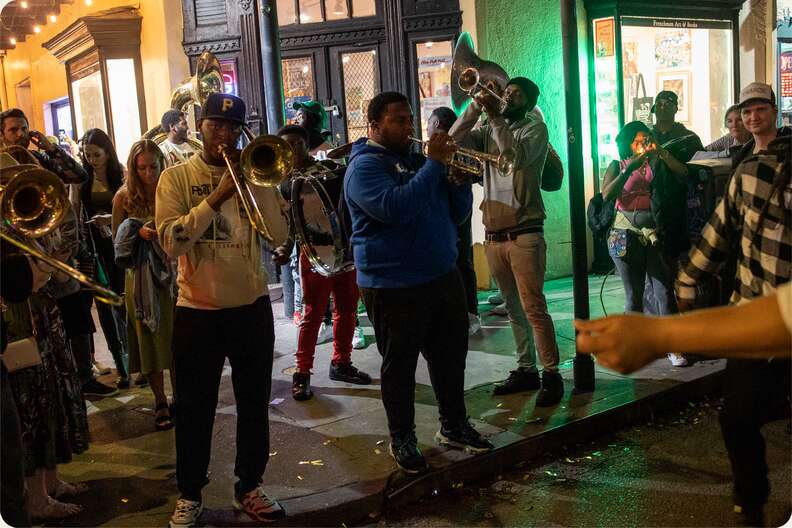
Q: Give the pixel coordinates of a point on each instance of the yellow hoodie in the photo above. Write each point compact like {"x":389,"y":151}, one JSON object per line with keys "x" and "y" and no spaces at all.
{"x":220,"y":261}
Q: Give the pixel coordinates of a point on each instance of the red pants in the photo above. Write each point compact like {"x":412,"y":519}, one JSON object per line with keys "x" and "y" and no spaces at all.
{"x":316,"y":291}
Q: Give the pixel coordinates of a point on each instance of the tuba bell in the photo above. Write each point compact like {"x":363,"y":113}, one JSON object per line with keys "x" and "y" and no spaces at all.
{"x":470,"y":74}
{"x":208,"y":79}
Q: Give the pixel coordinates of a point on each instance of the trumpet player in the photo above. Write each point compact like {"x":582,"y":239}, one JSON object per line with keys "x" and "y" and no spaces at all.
{"x":16,"y":131}
{"x":514,"y":218}
{"x":223,"y":311}
{"x":404,"y":232}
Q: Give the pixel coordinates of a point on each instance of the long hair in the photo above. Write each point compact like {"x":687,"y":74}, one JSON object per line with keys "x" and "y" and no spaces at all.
{"x":115,"y":172}
{"x":137,"y":204}
{"x":626,"y":136}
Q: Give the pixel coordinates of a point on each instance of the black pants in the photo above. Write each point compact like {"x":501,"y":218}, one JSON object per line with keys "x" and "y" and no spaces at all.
{"x":755,"y":393}
{"x":430,"y":318}
{"x":13,"y":503}
{"x":202,"y":339}
{"x":465,"y":264}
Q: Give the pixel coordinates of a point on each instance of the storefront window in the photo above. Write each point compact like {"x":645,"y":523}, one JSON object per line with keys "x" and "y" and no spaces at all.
{"x":298,"y":83}
{"x":606,"y":94}
{"x":361,"y":84}
{"x":434,"y":78}
{"x":229,"y":71}
{"x":89,"y":102}
{"x":124,"y":104}
{"x":692,"y":58}
{"x":310,"y":11}
{"x":785,"y":88}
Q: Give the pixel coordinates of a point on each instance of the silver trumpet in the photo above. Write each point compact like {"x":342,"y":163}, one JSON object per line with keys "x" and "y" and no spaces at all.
{"x":504,"y":161}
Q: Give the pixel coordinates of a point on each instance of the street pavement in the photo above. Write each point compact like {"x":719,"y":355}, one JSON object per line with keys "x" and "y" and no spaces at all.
{"x":328,"y":457}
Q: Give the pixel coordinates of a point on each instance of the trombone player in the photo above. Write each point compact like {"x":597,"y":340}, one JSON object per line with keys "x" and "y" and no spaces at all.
{"x":514,"y":217}
{"x":223,"y":310}
{"x":16,"y":132}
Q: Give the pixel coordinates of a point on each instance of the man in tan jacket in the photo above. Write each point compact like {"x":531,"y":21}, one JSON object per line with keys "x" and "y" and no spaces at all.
{"x":223,"y":311}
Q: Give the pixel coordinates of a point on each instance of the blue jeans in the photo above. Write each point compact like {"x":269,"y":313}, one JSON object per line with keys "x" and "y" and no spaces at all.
{"x":641,"y":265}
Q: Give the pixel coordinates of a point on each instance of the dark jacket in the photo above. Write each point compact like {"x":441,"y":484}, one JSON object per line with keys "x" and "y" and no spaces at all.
{"x":404,"y":219}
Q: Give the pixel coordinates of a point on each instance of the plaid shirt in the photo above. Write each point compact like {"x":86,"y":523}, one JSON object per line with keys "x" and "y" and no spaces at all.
{"x":765,"y":253}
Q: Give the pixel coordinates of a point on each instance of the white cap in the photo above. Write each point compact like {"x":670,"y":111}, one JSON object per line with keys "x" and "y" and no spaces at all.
{"x":757,"y":91}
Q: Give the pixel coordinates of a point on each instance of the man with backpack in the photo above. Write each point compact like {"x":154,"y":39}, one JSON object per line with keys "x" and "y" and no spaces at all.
{"x":514,"y":217}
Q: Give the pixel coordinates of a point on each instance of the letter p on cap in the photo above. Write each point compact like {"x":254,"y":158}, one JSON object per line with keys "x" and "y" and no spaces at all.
{"x":227,"y":104}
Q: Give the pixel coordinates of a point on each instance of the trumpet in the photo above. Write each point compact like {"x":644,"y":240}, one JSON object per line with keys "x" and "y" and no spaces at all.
{"x":264,"y":162}
{"x":34,"y":203}
{"x":504,"y":161}
{"x":470,"y":83}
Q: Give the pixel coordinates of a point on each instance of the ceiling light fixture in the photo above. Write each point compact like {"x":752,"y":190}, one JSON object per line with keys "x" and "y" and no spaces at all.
{"x":23,"y":4}
{"x":429,"y":44}
{"x":37,"y":29}
{"x":53,"y":18}
{"x":88,"y":2}
{"x":12,"y":40}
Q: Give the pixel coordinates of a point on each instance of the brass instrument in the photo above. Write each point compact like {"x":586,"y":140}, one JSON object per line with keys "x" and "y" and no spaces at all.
{"x":264,"y":162}
{"x":208,"y":79}
{"x":470,"y":74}
{"x":33,"y":203}
{"x":504,"y":161}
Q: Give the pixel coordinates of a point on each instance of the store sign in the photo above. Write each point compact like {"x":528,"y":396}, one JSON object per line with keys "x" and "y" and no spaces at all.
{"x":604,"y":38}
{"x":228,"y":69}
{"x":786,"y":74}
{"x":679,"y":23}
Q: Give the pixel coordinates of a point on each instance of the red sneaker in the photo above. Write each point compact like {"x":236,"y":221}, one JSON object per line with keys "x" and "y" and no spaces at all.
{"x":259,"y":507}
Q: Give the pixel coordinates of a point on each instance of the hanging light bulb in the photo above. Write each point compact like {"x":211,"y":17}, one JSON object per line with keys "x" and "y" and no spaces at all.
{"x":23,"y":4}
{"x":429,"y":44}
{"x":53,"y":18}
{"x":37,"y":29}
{"x":12,"y":40}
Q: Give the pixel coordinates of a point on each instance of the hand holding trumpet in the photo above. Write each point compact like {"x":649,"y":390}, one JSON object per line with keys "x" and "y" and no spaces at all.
{"x":440,"y":148}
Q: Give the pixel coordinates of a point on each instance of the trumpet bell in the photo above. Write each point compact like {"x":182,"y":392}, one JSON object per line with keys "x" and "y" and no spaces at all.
{"x":266,"y":161}
{"x":468,"y":79}
{"x":465,"y":59}
{"x":35,"y":201}
{"x":505,"y":162}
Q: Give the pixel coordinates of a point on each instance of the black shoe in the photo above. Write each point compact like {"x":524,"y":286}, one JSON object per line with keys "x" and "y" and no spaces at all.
{"x":348,"y":373}
{"x":96,"y":388}
{"x":518,"y":381}
{"x":407,"y":455}
{"x":141,"y":381}
{"x":464,"y":437}
{"x":301,"y":386}
{"x":122,"y":383}
{"x":749,"y":515}
{"x":552,"y":389}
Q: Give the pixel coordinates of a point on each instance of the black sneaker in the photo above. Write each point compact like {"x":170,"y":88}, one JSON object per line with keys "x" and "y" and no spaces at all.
{"x":464,"y":437}
{"x":141,"y":380}
{"x":407,"y":455}
{"x":348,"y":373}
{"x":552,"y":389}
{"x":96,"y":388}
{"x":301,"y":386}
{"x":518,"y":381}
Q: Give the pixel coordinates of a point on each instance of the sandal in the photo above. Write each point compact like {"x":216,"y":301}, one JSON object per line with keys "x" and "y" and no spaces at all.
{"x":68,"y":489}
{"x":163,"y":422}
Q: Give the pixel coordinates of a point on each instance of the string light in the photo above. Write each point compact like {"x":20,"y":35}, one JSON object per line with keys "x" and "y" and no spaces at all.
{"x":36,"y":29}
{"x":53,"y":18}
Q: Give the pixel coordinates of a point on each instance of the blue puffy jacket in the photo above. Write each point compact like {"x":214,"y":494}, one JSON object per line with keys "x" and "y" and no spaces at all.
{"x":404,"y":218}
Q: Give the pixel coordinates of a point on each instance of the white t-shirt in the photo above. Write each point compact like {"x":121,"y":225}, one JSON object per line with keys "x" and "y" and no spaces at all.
{"x":176,"y":153}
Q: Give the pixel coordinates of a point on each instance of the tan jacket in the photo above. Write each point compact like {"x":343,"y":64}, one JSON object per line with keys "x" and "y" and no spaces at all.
{"x":220,"y":258}
{"x":510,"y":201}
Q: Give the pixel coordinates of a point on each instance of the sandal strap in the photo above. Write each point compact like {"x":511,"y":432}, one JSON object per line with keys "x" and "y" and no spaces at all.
{"x":160,"y":406}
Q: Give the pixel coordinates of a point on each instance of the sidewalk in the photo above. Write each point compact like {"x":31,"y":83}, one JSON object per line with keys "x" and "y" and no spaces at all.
{"x":329,"y":459}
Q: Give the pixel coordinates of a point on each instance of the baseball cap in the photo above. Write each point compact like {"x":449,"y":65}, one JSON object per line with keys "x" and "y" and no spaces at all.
{"x":224,"y":106}
{"x":668,"y":95}
{"x":314,"y":107}
{"x":756,"y":92}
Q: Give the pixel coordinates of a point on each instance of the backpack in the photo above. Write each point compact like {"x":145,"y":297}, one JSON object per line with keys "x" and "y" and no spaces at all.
{"x":553,"y":171}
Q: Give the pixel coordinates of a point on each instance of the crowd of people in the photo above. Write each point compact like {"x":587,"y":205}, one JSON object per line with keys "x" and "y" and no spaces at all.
{"x":166,"y":230}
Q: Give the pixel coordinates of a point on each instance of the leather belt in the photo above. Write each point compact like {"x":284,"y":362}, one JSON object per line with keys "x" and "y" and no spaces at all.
{"x":503,"y":236}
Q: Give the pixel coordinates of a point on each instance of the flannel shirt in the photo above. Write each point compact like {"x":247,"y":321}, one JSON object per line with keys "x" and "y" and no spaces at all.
{"x":765,"y":250}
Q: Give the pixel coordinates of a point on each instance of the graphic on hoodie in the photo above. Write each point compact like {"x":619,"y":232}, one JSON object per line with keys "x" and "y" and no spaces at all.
{"x":220,"y":229}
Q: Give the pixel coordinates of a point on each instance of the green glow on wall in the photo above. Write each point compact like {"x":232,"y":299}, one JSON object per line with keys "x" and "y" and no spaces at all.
{"x":525,"y":39}
{"x":463,"y":37}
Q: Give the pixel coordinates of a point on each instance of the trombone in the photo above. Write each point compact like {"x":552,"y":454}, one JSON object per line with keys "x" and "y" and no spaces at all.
{"x":504,"y":161}
{"x":264,"y":162}
{"x":33,"y":203}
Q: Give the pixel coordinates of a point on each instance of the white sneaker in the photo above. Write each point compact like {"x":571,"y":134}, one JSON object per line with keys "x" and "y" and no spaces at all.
{"x":186,"y":513}
{"x":99,"y":369}
{"x":500,"y":310}
{"x":677,"y":360}
{"x":358,"y":339}
{"x":474,"y":324}
{"x":325,"y":333}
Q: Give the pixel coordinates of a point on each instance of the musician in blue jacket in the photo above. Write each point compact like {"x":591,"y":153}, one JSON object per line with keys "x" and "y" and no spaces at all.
{"x":405,"y":214}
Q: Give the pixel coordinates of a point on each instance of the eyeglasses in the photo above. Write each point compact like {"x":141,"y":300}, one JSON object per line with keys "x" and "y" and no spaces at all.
{"x":225,"y":126}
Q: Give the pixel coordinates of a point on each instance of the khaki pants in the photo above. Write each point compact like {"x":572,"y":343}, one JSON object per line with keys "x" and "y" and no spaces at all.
{"x":519,"y":268}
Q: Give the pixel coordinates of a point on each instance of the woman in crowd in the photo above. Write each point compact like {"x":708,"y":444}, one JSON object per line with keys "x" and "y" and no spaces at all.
{"x":105,"y":177}
{"x":635,"y":242}
{"x":737,"y":135}
{"x":52,"y":414}
{"x":149,"y":279}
